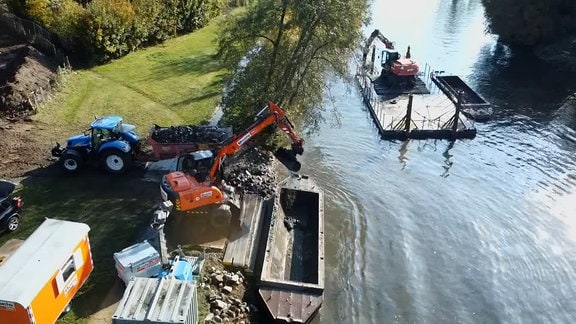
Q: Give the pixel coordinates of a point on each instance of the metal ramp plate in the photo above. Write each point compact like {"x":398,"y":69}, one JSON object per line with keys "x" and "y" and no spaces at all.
{"x":243,"y":243}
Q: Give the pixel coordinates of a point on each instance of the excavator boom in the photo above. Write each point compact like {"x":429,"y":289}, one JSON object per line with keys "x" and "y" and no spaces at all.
{"x":375,"y":34}
{"x":266,"y":117}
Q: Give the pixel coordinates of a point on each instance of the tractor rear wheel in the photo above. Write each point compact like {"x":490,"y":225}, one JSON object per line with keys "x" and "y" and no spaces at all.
{"x":71,"y":163}
{"x":116,"y":161}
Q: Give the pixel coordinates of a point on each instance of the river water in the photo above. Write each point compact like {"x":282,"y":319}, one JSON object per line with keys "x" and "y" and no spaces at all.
{"x":476,"y":231}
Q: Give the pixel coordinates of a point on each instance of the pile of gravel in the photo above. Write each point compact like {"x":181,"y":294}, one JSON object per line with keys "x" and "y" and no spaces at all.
{"x":222,"y":291}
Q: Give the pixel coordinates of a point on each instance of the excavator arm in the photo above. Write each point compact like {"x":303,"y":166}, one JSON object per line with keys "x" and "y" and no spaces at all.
{"x":375,"y":34}
{"x":268,"y":116}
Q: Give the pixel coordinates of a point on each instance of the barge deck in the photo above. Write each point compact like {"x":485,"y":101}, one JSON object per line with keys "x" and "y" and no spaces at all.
{"x":406,"y":102}
{"x":414,"y":113}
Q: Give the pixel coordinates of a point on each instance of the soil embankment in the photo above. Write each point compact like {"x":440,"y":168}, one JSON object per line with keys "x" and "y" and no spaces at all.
{"x":26,"y":77}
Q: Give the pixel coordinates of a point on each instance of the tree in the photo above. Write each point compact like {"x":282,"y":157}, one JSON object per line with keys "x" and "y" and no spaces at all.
{"x":110,"y":28}
{"x":284,"y":51}
{"x":531,"y":22}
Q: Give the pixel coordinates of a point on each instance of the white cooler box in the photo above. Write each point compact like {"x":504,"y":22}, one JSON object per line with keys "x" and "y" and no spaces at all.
{"x":140,"y":260}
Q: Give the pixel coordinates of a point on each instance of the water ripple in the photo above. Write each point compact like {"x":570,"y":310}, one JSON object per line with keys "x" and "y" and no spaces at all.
{"x":478,"y":231}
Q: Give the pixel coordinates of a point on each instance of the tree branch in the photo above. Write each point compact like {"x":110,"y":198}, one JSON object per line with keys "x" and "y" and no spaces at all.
{"x":267,"y":38}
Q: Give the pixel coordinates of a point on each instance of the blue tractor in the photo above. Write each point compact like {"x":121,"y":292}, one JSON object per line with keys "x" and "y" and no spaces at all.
{"x":108,"y":143}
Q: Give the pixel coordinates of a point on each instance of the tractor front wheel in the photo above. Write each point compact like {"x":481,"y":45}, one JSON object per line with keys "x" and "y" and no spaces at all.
{"x":71,"y":163}
{"x":116,"y":161}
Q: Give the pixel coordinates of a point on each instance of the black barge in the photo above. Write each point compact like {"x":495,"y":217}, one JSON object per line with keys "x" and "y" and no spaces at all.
{"x":473,"y":105}
{"x":291,"y":282}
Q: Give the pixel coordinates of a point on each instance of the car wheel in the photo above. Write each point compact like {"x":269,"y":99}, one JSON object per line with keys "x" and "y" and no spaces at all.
{"x":116,"y":161}
{"x":13,"y":223}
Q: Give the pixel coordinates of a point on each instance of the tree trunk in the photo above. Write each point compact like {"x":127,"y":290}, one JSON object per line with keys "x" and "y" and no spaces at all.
{"x":274,"y":57}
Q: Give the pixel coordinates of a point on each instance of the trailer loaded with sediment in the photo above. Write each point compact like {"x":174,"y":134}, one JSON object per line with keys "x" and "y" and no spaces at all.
{"x":171,"y":141}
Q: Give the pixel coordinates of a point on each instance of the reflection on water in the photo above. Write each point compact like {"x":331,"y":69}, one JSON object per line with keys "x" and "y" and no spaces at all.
{"x":447,"y":160}
{"x":472,"y":231}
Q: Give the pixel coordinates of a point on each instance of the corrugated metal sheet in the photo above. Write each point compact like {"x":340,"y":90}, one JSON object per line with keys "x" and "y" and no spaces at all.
{"x":153,"y":300}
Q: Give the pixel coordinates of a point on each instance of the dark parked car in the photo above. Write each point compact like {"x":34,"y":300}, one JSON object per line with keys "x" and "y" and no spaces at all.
{"x":9,"y":207}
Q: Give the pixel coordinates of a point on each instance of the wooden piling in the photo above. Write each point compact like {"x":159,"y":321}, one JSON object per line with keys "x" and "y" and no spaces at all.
{"x":408,"y":114}
{"x":457,"y":113}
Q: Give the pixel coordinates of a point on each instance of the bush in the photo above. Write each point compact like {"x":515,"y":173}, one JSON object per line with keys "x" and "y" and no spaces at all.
{"x":196,"y":14}
{"x":110,"y":28}
{"x":154,"y":22}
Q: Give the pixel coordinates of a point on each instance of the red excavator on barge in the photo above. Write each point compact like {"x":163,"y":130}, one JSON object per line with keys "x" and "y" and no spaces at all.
{"x":387,"y":62}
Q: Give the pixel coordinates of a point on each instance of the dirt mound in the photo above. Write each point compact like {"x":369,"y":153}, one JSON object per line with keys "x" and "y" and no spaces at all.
{"x":26,"y":76}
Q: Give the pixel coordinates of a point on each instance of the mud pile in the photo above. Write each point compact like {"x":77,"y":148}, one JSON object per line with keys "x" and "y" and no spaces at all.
{"x":26,"y":77}
{"x":192,"y":134}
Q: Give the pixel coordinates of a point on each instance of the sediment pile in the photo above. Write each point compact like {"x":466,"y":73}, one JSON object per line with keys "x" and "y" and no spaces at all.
{"x":191,"y":134}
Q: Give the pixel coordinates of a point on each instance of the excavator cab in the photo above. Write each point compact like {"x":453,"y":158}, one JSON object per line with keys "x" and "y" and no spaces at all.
{"x":389,"y":56}
{"x":198,"y":164}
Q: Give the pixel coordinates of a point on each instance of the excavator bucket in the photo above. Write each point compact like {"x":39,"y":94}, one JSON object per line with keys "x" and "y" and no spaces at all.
{"x":288,"y":158}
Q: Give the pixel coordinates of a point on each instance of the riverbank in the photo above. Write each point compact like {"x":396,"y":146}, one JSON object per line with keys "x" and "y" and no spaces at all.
{"x":178,"y":82}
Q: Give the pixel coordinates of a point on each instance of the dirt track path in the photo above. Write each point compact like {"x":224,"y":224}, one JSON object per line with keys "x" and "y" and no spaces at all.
{"x":108,"y":305}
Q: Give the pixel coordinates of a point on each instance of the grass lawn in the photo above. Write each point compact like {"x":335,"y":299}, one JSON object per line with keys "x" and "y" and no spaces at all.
{"x":178,"y":82}
{"x":115,"y":208}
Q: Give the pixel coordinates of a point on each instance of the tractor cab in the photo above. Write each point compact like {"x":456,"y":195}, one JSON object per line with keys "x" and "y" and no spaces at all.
{"x":198,"y":164}
{"x":100,"y":136}
{"x":111,"y":128}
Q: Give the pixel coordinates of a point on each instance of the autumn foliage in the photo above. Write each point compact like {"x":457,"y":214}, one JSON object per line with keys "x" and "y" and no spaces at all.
{"x":108,"y":29}
{"x":531,"y":22}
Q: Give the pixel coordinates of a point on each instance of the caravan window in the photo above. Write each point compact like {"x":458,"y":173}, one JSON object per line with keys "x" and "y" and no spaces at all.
{"x":67,"y":278}
{"x":68,"y":269}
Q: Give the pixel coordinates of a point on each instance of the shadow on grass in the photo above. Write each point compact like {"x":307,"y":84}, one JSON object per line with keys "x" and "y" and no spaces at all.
{"x":116,"y":208}
{"x":198,"y":231}
{"x":199,"y":65}
{"x":195,"y":99}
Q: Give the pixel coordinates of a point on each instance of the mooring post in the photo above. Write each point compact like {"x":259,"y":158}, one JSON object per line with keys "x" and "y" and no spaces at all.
{"x":457,"y":113}
{"x":408,"y":114}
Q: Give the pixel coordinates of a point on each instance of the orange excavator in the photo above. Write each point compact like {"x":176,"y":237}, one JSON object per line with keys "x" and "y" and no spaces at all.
{"x":395,"y":68}
{"x":200,"y":181}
